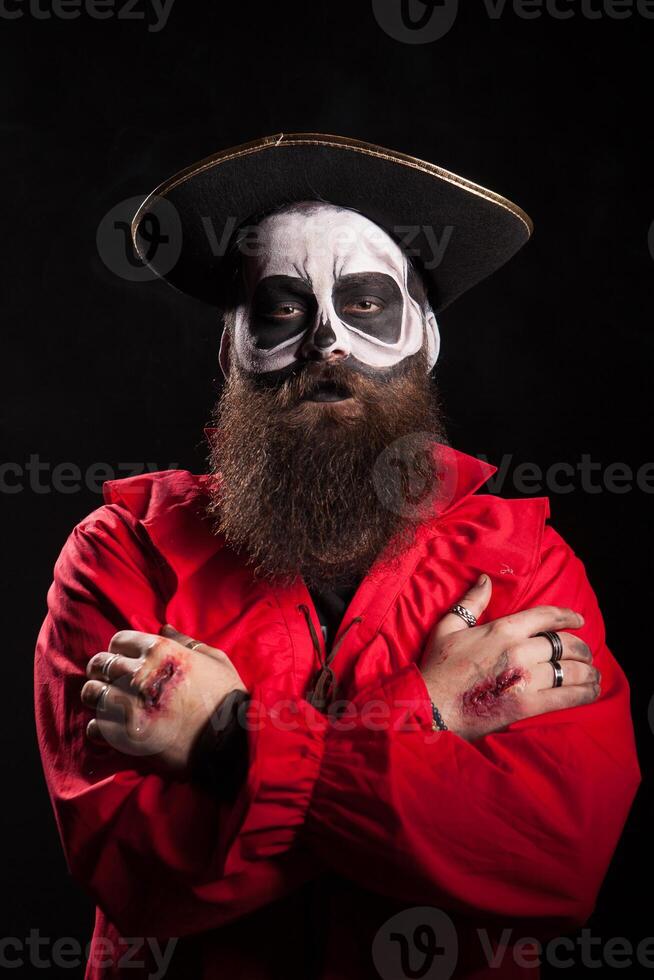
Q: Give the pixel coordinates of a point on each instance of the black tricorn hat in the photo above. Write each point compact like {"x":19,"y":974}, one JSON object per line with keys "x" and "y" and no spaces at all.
{"x":456,"y":231}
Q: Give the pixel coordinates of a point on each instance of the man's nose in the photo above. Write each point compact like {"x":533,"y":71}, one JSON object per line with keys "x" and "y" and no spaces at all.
{"x":318,"y":345}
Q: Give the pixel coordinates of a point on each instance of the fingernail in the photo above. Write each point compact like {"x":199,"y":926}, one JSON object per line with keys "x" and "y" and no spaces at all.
{"x":482,"y":580}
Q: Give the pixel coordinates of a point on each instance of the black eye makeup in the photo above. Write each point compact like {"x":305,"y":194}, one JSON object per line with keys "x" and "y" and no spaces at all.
{"x":282,"y":306}
{"x":372,"y":302}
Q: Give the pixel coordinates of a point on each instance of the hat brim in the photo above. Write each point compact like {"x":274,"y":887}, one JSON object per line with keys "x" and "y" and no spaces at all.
{"x":458,"y":231}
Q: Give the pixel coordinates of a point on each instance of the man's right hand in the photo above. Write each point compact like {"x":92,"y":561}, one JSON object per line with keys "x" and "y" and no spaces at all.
{"x":482,"y":678}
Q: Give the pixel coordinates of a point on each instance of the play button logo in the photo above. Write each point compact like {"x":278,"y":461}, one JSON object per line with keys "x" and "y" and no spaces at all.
{"x":415,"y":21}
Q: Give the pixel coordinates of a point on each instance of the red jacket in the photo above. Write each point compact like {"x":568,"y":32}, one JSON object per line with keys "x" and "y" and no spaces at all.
{"x":338,"y":827}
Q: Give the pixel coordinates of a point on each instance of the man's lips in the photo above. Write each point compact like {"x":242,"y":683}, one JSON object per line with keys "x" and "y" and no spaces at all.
{"x":327,"y":391}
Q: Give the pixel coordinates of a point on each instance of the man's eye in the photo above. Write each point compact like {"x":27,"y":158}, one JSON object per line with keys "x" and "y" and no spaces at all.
{"x":362,"y":306}
{"x":286,"y":311}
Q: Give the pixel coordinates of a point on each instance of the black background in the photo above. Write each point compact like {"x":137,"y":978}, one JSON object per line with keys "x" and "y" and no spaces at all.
{"x":548,"y":360}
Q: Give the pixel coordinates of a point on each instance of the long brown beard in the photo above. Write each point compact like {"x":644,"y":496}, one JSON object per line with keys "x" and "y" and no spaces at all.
{"x":304,"y":489}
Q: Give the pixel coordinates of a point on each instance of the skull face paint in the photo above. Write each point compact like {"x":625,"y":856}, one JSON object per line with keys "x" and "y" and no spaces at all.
{"x":324,"y":277}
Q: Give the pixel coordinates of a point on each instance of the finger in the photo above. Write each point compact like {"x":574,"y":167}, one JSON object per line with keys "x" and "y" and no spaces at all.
{"x":557,"y":698}
{"x":174,"y":634}
{"x":475,"y":601}
{"x":115,"y":702}
{"x":574,"y":672}
{"x":153,"y":650}
{"x":538,"y":649}
{"x":110,"y":666}
{"x":132,"y":643}
{"x":524,"y":624}
{"x":187,"y":641}
{"x":94,"y":731}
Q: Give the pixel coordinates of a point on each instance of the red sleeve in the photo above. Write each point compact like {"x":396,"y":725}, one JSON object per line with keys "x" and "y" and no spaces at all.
{"x":159,"y":857}
{"x":522,"y":823}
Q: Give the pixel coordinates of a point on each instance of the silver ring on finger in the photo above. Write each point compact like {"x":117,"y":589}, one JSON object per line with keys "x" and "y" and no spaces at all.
{"x":555,"y":642}
{"x":108,"y":664}
{"x":102,"y":697}
{"x":558,"y":673}
{"x":464,"y":614}
{"x":193,"y":644}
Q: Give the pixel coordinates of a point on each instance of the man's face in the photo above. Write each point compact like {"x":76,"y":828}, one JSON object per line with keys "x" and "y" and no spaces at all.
{"x":322,"y":283}
{"x":327,"y":361}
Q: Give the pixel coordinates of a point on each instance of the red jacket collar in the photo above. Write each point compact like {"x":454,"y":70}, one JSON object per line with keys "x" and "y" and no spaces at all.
{"x":460,"y":475}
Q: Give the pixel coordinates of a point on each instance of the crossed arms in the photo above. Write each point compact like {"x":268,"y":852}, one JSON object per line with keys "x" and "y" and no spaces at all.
{"x":520,"y":823}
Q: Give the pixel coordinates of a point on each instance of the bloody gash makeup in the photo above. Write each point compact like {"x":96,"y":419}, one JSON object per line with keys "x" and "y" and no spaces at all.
{"x":487,"y":697}
{"x":326,"y":274}
{"x":160,"y":683}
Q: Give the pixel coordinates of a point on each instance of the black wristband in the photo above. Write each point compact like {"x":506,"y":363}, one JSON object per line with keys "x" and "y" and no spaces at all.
{"x":219,"y":760}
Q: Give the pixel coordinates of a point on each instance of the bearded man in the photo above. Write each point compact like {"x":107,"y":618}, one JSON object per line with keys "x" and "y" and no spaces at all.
{"x":324,"y":711}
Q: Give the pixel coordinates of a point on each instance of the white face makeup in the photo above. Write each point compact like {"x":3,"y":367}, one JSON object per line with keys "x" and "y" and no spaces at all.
{"x":320,"y":274}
